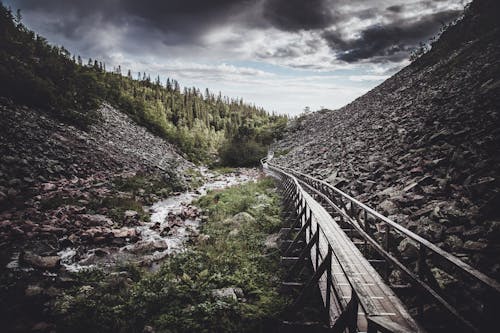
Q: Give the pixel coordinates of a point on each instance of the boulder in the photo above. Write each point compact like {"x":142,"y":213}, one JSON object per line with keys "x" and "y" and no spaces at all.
{"x":124,"y":233}
{"x":408,"y":248}
{"x":96,"y":219}
{"x":241,"y":219}
{"x":48,"y":262}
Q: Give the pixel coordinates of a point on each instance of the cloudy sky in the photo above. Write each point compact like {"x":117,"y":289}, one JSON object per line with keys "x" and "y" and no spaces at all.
{"x":279,"y":54}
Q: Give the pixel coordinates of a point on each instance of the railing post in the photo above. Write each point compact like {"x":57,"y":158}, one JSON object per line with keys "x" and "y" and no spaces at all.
{"x":386,"y":247}
{"x":421,"y":274}
{"x":329,"y":282}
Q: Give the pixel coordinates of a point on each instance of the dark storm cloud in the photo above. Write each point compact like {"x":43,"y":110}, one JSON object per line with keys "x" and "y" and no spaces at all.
{"x":185,"y":18}
{"x":295,"y":15}
{"x":389,"y":42}
{"x":149,"y":23}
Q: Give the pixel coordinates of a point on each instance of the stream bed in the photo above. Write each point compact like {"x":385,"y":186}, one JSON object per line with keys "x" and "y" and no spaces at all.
{"x":173,"y":222}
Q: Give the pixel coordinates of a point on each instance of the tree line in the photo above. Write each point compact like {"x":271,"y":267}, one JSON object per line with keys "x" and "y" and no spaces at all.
{"x":204,"y":125}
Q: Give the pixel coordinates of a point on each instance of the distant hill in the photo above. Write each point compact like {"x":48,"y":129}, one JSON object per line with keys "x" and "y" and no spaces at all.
{"x":422,"y":147}
{"x":37,"y":74}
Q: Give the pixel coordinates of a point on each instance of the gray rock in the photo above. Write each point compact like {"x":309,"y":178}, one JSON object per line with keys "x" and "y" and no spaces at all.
{"x":453,"y":243}
{"x":388,"y":207}
{"x":227,"y":293}
{"x":408,"y":248}
{"x":475,"y":246}
{"x":48,"y":262}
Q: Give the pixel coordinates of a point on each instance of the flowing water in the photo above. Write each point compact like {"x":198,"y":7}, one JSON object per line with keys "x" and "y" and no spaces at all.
{"x":154,"y":245}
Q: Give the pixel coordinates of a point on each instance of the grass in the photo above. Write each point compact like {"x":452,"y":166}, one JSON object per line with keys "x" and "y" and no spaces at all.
{"x":179,"y":297}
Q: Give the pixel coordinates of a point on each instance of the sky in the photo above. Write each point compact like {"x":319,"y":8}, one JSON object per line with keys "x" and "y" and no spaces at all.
{"x":282,"y":55}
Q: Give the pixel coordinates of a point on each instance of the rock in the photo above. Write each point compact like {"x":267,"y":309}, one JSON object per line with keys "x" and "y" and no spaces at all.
{"x":271,"y":242}
{"x":444,"y":279}
{"x":33,"y":290}
{"x":129,"y":214}
{"x":49,"y":262}
{"x":42,"y":327}
{"x":453,"y":243}
{"x":493,"y":230}
{"x":227,"y":293}
{"x":408,"y":248}
{"x":148,"y":329}
{"x":234,"y":233}
{"x":388,"y":207}
{"x":475,"y":233}
{"x":475,"y":246}
{"x":96,"y":219}
{"x":203,"y":239}
{"x":241,"y":218}
{"x":124,"y":233}
{"x":46,"y":187}
{"x":146,"y":246}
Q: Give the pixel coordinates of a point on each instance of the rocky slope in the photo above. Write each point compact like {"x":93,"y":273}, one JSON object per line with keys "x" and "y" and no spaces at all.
{"x":50,"y":171}
{"x":423,"y":146}
{"x":68,"y":195}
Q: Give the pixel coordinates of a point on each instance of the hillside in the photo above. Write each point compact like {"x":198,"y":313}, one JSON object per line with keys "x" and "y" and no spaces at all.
{"x":423,"y":146}
{"x":202,"y":124}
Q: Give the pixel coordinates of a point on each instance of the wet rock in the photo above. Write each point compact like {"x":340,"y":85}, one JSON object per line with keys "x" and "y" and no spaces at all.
{"x":125,"y":233}
{"x":48,"y":262}
{"x":148,"y":246}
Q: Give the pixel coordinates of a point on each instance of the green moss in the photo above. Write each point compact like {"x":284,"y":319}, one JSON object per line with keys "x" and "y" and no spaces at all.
{"x":178,"y":298}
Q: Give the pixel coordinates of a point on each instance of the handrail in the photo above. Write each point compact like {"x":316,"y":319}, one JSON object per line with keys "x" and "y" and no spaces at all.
{"x":349,"y":312}
{"x":348,"y":317}
{"x":322,"y":188}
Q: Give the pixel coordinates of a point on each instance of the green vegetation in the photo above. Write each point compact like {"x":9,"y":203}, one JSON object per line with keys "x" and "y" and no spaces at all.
{"x":180,"y":297}
{"x":34,"y":73}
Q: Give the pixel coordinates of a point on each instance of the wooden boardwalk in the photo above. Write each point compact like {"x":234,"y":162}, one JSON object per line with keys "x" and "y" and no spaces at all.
{"x":355,"y":296}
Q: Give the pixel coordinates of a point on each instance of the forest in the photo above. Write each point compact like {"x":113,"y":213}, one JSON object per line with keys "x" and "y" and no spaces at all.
{"x":207,"y":127}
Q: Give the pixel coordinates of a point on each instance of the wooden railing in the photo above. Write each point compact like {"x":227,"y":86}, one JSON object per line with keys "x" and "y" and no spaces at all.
{"x":380,"y":234}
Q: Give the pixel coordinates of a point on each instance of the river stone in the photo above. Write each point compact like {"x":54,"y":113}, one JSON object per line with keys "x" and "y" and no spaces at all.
{"x":124,"y":233}
{"x":49,"y":262}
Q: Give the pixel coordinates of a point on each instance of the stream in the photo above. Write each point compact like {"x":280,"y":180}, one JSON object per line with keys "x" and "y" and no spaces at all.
{"x":173,"y":222}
